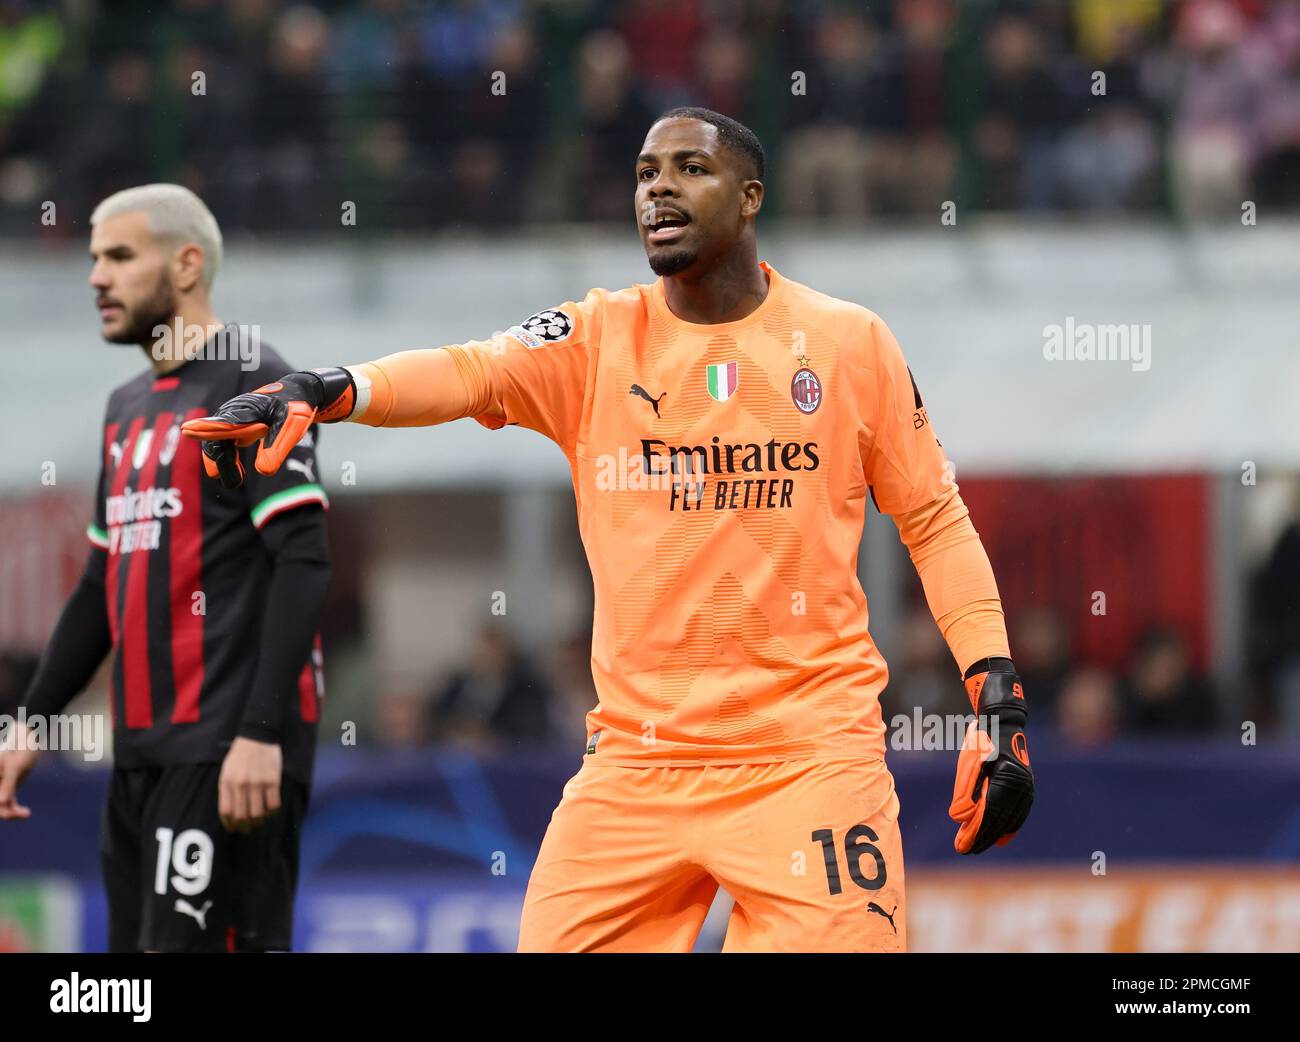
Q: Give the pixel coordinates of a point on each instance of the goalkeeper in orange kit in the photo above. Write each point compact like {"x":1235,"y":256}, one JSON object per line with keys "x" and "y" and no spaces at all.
{"x":724,"y":427}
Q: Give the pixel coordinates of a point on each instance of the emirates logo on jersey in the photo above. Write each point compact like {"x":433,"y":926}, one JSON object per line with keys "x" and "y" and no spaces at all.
{"x":697,"y":470}
{"x":134,"y":518}
{"x":142,"y":505}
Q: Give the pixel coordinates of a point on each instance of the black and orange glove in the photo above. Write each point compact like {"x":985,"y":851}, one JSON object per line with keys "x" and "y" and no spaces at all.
{"x":278,"y":414}
{"x":995,"y":784}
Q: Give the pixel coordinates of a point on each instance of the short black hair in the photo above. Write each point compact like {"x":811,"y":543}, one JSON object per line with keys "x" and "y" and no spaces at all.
{"x":734,"y":134}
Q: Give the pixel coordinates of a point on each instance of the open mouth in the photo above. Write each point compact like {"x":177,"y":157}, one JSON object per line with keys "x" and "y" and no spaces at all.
{"x":667,"y":226}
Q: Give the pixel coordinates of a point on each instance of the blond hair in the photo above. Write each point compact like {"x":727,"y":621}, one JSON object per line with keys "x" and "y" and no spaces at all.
{"x":176,"y":218}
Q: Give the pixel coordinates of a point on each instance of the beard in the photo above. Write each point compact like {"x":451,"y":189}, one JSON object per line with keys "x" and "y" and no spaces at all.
{"x":142,"y":320}
{"x":672,"y":262}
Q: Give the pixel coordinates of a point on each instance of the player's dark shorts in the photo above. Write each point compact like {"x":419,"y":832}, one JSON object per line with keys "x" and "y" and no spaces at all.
{"x":177,"y":881}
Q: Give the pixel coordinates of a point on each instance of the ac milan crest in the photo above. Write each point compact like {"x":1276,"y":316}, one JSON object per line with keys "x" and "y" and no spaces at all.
{"x":806,"y":390}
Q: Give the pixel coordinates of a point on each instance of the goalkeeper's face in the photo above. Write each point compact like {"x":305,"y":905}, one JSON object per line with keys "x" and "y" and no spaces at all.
{"x":695,"y":197}
{"x":132,"y":283}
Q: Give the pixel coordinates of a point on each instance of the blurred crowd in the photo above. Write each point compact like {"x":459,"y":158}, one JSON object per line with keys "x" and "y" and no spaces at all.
{"x":488,"y":113}
{"x":1079,"y":703}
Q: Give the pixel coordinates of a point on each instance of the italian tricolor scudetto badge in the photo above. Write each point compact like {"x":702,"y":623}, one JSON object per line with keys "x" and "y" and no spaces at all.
{"x":722,"y":381}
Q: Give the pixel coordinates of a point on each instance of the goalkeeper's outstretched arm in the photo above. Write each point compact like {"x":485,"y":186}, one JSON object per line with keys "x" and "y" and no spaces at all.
{"x":408,"y":389}
{"x":535,"y":375}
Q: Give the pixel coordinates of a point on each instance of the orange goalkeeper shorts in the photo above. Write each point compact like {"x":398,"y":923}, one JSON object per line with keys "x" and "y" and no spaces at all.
{"x":810,"y":851}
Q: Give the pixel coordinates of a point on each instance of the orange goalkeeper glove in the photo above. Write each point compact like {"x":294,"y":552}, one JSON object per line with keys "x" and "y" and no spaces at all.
{"x":995,"y":784}
{"x":278,"y":414}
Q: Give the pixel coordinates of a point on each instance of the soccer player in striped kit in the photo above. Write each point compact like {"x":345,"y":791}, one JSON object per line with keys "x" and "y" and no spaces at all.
{"x":206,"y":598}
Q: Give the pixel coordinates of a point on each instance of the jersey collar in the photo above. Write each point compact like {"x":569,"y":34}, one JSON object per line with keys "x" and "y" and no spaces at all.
{"x":775,"y":291}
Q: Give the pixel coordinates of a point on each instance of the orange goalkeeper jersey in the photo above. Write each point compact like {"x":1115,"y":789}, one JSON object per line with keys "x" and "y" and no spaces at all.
{"x":721,"y":474}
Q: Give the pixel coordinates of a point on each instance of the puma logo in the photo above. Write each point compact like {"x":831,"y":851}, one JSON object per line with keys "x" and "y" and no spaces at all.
{"x":873,"y":907}
{"x":199,"y":915}
{"x":303,"y":466}
{"x":641,"y":392}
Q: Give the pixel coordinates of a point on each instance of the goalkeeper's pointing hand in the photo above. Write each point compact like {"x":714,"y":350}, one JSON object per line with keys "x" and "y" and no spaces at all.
{"x":278,"y":414}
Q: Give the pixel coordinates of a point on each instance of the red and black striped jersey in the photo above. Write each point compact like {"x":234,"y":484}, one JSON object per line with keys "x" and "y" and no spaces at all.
{"x":187,"y":574}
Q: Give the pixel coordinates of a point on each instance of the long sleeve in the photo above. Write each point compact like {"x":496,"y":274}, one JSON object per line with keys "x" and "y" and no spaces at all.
{"x":910,"y":480}
{"x":534,"y":374}
{"x":296,"y":540}
{"x":80,"y":642}
{"x":958,"y":579}
{"x":417,"y":389}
